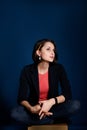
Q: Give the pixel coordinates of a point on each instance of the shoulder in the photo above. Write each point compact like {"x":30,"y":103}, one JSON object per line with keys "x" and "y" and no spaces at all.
{"x":28,"y":68}
{"x":58,"y":69}
{"x":57,"y":66}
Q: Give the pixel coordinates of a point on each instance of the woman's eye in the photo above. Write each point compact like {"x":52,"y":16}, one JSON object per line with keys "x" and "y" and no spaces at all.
{"x":48,"y":49}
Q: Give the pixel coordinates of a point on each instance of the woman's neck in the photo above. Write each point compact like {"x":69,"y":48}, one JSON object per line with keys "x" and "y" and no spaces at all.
{"x":43,"y":67}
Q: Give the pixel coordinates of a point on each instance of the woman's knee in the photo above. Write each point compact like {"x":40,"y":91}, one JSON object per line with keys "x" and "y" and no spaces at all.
{"x":75,"y":106}
{"x":16,"y":113}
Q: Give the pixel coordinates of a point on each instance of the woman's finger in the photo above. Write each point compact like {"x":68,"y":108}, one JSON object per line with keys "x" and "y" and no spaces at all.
{"x":48,"y":113}
{"x":42,"y":115}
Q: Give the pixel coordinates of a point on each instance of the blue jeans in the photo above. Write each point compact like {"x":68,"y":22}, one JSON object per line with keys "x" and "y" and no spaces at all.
{"x":63,"y":110}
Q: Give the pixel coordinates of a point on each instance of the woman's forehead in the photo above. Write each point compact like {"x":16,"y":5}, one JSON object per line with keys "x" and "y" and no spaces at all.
{"x":50,"y":44}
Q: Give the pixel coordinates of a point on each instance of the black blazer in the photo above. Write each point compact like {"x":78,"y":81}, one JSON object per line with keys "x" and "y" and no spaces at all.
{"x":29,"y":83}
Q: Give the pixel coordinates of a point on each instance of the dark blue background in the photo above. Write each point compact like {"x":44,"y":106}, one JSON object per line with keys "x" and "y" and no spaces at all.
{"x":22,"y":23}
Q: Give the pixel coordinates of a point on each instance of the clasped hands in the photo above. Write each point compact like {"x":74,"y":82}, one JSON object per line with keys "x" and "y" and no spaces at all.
{"x":42,"y":108}
{"x":45,"y":107}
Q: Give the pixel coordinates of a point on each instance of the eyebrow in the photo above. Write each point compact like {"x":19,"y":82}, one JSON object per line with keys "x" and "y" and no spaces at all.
{"x":50,"y":47}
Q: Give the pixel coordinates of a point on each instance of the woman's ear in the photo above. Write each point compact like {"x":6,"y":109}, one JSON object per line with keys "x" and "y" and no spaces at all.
{"x":38,"y":53}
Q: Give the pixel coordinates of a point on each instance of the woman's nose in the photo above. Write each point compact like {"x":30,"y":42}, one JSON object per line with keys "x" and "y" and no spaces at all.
{"x":52,"y":53}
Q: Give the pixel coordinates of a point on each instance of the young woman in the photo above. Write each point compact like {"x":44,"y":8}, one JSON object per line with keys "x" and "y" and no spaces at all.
{"x":39,"y":98}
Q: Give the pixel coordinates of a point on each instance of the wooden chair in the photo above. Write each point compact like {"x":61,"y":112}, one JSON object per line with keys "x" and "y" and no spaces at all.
{"x":49,"y":127}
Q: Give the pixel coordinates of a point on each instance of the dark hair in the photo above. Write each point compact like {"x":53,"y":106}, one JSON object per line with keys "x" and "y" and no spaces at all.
{"x":38,"y":45}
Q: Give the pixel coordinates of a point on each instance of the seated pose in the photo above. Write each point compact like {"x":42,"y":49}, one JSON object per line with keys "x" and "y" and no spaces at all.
{"x":40,"y":100}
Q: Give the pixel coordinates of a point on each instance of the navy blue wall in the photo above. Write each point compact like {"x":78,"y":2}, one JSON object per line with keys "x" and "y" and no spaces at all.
{"x":22,"y":22}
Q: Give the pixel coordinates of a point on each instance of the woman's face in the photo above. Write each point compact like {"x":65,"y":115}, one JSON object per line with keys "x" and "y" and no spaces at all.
{"x":47,"y":52}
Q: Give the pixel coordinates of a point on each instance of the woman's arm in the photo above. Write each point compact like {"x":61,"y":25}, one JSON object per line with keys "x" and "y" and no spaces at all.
{"x":65,"y":84}
{"x":60,"y":99}
{"x":33,"y":109}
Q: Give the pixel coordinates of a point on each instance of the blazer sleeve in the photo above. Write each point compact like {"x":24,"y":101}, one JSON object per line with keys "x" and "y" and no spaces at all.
{"x":23,"y":92}
{"x":65,"y":84}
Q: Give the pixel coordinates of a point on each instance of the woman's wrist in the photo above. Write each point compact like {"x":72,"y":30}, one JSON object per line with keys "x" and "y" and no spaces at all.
{"x":52,"y":101}
{"x":56,"y":102}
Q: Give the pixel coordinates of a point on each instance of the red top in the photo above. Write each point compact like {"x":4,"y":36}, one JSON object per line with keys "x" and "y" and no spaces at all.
{"x":43,"y":86}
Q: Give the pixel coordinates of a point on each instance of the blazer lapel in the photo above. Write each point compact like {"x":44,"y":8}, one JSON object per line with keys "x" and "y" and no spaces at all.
{"x":51,"y":81}
{"x":35,"y":79}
